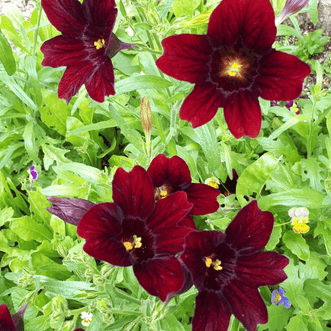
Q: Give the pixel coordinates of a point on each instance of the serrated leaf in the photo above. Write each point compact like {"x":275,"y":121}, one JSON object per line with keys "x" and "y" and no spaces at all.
{"x":255,"y":176}
{"x":277,"y":318}
{"x":317,"y":288}
{"x":296,"y":324}
{"x":313,"y":171}
{"x":27,"y":229}
{"x":52,"y":154}
{"x":207,"y":139}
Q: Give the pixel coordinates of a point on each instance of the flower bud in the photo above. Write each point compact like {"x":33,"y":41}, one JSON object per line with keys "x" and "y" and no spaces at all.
{"x":67,"y":326}
{"x":146,"y":116}
{"x":103,"y":306}
{"x":291,"y":7}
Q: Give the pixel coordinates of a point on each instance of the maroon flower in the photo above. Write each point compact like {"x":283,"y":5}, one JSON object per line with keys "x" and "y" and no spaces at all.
{"x":172,"y":175}
{"x":10,"y":322}
{"x":134,"y":230}
{"x":228,"y":268}
{"x":85,"y":47}
{"x":232,"y":66}
{"x":230,"y":185}
{"x":69,"y":210}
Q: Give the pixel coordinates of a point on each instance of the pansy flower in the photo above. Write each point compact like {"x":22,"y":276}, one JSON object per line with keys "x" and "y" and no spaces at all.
{"x":293,"y":105}
{"x":85,"y":47}
{"x":33,"y":174}
{"x":232,"y":65}
{"x":227,"y":269}
{"x":10,"y":322}
{"x":134,"y":230}
{"x":299,"y":218}
{"x":277,"y":298}
{"x":171,"y":175}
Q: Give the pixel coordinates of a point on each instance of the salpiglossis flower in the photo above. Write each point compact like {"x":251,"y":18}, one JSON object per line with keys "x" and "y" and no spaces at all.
{"x":171,"y":175}
{"x":227,"y":269}
{"x":10,"y":322}
{"x":85,"y":47}
{"x":277,"y":298}
{"x":291,"y":7}
{"x":134,"y":230}
{"x":232,"y":66}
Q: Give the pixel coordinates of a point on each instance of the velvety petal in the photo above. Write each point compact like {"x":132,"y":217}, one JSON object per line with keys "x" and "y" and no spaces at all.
{"x":65,"y":51}
{"x":203,"y":197}
{"x":280,"y":77}
{"x":133,"y":192}
{"x":160,"y":277}
{"x":66,"y":15}
{"x":186,"y":57}
{"x":99,"y":227}
{"x":252,"y":20}
{"x":246,"y":304}
{"x":199,"y":244}
{"x":101,"y":15}
{"x":101,"y":83}
{"x":242,"y":114}
{"x":6,"y":322}
{"x":201,"y":104}
{"x":188,"y":222}
{"x":72,"y":80}
{"x":173,"y":170}
{"x":211,"y":312}
{"x":68,"y":209}
{"x":250,"y":230}
{"x":262,"y":268}
{"x":163,"y":224}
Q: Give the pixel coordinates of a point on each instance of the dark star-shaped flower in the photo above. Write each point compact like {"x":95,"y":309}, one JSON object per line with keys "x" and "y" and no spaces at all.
{"x":85,"y":47}
{"x":227,"y":269}
{"x":171,"y":175}
{"x":134,"y":230}
{"x":232,"y":65}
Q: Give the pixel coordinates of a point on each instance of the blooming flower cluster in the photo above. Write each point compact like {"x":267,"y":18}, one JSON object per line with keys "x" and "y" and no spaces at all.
{"x":149,"y":226}
{"x":299,"y":218}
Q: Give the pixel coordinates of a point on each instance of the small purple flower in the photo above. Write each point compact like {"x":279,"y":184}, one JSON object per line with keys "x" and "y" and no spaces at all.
{"x":293,"y":105}
{"x":278,"y":298}
{"x":33,"y":174}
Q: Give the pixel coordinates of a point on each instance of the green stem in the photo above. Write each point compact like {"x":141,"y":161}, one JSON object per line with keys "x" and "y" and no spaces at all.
{"x":309,"y":139}
{"x":35,"y":37}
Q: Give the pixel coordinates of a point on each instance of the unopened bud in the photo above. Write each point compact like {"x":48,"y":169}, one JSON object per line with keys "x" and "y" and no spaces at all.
{"x":103,"y":305}
{"x":146,"y":116}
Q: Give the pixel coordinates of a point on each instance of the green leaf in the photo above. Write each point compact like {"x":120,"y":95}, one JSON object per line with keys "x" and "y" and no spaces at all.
{"x":323,"y":230}
{"x":296,"y":244}
{"x":6,"y":55}
{"x":255,"y":176}
{"x":318,"y":289}
{"x":314,"y":267}
{"x":312,"y":170}
{"x":6,"y":215}
{"x":29,"y":136}
{"x":207,"y":139}
{"x":141,"y":82}
{"x":274,"y":238}
{"x":313,"y":11}
{"x":277,"y":318}
{"x":27,"y":229}
{"x":40,"y":323}
{"x":296,"y":324}
{"x":52,"y":154}
{"x":185,"y":7}
{"x":305,"y":197}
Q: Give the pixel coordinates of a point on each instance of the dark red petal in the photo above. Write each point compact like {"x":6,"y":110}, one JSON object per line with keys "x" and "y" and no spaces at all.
{"x":174,"y":171}
{"x":252,"y":20}
{"x":160,"y":277}
{"x":211,"y":313}
{"x":199,"y":244}
{"x":68,"y":209}
{"x":280,"y":77}
{"x":242,"y":113}
{"x":250,"y":230}
{"x":99,"y":227}
{"x":101,"y":15}
{"x":133,"y":192}
{"x":6,"y":322}
{"x":67,"y":16}
{"x":246,"y":304}
{"x":262,"y":268}
{"x":74,"y":77}
{"x":203,"y":197}
{"x":64,"y":51}
{"x":201,"y":104}
{"x":101,"y":83}
{"x":185,"y":57}
{"x":163,"y":224}
{"x":188,"y":222}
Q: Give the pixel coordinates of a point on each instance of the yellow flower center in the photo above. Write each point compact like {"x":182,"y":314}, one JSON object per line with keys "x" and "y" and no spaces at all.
{"x":295,"y":108}
{"x":211,"y":263}
{"x":162,"y":191}
{"x":136,"y":243}
{"x":212,"y":182}
{"x":234,"y":69}
{"x":277,"y":298}
{"x":99,"y":43}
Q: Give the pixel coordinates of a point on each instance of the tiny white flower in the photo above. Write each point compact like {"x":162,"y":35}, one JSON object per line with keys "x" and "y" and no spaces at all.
{"x":86,"y":317}
{"x":129,"y":31}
